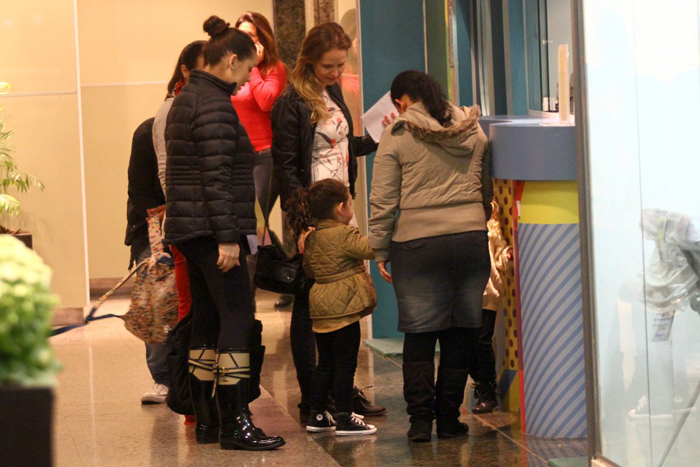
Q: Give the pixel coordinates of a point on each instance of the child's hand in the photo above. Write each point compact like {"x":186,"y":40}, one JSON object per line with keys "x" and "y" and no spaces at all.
{"x":387,"y":121}
{"x":383,"y":272}
{"x":302,"y":239}
{"x":509,"y":253}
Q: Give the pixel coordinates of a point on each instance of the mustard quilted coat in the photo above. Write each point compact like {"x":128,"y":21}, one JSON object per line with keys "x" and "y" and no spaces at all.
{"x":334,"y":256}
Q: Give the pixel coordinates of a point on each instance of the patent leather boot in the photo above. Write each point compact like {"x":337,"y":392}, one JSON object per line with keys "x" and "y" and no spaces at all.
{"x":201,"y":382}
{"x":232,"y":394}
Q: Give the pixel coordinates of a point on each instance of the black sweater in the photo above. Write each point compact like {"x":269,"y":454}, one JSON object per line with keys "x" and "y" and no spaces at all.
{"x":293,"y":141}
{"x":209,"y":168}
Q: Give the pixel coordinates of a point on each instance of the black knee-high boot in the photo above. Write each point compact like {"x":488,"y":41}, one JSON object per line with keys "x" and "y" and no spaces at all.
{"x":419,"y":393}
{"x":257,"y":356}
{"x":201,"y":382}
{"x":451,"y":384}
{"x":232,"y":395}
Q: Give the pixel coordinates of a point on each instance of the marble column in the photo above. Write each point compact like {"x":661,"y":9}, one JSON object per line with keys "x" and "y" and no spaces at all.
{"x":290,"y":29}
{"x":324,"y":11}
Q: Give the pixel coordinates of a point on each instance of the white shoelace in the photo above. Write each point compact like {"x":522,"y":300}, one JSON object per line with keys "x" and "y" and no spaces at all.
{"x":356,"y":419}
{"x":643,"y":402}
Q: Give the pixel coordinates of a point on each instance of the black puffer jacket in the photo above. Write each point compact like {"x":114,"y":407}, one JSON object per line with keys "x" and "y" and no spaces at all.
{"x":209,"y":169}
{"x":293,"y":141}
{"x":144,"y":189}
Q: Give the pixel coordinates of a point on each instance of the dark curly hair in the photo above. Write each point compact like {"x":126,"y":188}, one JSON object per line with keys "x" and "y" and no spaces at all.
{"x":421,"y":87}
{"x":316,"y":203}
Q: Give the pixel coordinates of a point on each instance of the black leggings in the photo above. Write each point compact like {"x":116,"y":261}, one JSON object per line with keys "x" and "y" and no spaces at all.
{"x":223,"y":312}
{"x":483,"y":365}
{"x":303,"y":343}
{"x":457,"y":345}
{"x":337,"y":361}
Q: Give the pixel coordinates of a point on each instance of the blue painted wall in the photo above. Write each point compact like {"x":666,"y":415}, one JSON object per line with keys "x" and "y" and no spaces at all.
{"x":517,"y":57}
{"x":464,"y":53}
{"x":392,"y":41}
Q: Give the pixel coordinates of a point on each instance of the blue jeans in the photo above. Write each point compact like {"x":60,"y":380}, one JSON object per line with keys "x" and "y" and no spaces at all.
{"x":155,"y":353}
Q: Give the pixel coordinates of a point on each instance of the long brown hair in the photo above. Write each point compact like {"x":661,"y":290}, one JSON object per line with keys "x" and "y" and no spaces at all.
{"x":321,"y":39}
{"x":266,"y":37}
{"x":316,"y":203}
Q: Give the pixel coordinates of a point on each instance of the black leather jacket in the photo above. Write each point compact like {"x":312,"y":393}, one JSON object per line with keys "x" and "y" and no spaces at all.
{"x":293,"y":140}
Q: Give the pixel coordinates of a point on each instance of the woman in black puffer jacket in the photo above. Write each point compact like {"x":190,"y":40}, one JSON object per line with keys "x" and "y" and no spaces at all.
{"x":209,"y":213}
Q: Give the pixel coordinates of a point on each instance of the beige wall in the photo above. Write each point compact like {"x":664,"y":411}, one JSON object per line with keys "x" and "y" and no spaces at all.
{"x":127,"y":51}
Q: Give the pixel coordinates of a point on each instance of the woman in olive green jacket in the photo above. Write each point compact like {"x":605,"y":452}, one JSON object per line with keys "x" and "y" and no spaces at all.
{"x":343,"y":293}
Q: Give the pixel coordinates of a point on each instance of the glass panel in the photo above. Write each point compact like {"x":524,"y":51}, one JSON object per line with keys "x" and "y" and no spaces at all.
{"x":547,"y":26}
{"x":643,"y":91}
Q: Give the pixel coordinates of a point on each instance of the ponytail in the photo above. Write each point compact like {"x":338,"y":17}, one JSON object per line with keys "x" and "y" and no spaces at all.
{"x":308,"y":205}
{"x":421,"y":87}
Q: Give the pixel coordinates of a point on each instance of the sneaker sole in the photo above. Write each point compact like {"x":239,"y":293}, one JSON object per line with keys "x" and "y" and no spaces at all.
{"x":652,"y":417}
{"x":320,"y":429}
{"x":356,"y":433}
{"x":152,"y":401}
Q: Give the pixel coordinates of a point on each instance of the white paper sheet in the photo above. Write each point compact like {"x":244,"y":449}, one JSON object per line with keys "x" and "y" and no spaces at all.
{"x":372,"y":119}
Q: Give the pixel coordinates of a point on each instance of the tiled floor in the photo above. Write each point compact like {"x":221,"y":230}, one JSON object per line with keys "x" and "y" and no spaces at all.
{"x":100,"y":422}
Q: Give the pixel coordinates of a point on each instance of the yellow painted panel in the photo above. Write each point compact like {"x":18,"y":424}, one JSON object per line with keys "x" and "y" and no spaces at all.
{"x":38,"y":45}
{"x":110,"y":117}
{"x":549,"y":203}
{"x":137,"y":41}
{"x":46,"y":142}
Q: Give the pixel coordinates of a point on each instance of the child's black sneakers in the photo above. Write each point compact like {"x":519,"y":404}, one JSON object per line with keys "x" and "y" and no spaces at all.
{"x":320,"y":422}
{"x":352,"y":425}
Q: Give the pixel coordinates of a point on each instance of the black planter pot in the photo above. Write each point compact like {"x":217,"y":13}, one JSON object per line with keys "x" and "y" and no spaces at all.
{"x":24,"y":237}
{"x":26,"y":419}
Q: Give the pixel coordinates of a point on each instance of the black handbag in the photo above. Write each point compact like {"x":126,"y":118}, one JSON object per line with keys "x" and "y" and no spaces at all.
{"x":275,"y":272}
{"x":178,"y":342}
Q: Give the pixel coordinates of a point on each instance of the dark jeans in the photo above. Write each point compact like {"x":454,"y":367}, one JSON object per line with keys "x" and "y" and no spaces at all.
{"x":337,"y":361}
{"x":457,"y":346}
{"x":222,"y":303}
{"x":483,"y":366}
{"x":303,"y":342}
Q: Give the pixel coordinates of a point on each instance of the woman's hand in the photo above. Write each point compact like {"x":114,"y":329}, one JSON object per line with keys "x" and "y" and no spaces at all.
{"x":261,"y":52}
{"x":302,"y":239}
{"x":387,"y":121}
{"x":228,"y":256}
{"x":383,"y":272}
{"x":159,"y":211}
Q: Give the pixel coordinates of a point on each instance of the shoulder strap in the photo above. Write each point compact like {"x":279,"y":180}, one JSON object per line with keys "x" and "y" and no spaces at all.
{"x":91,"y":316}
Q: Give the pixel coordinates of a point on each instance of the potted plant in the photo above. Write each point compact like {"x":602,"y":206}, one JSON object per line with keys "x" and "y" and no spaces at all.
{"x":12,"y":180}
{"x":27,"y":364}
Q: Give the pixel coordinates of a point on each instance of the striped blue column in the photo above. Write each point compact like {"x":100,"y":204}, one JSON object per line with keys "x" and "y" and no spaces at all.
{"x":552,"y":330}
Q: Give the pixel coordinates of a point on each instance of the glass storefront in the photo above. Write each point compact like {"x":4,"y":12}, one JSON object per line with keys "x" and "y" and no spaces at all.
{"x":641,"y":93}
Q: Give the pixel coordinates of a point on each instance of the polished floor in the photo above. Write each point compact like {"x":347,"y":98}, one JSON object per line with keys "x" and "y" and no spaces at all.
{"x":100,"y":422}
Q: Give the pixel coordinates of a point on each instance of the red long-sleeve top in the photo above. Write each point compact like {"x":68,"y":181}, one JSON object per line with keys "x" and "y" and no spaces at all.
{"x":254,"y":102}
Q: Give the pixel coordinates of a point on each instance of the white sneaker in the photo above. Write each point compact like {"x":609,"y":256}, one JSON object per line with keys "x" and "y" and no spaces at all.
{"x":642,"y":411}
{"x":156,"y":395}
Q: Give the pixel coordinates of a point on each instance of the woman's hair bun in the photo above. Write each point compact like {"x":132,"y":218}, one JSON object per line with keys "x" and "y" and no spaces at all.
{"x":215,"y":26}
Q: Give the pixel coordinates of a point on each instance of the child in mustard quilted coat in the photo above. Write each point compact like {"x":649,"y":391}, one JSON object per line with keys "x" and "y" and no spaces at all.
{"x":343,"y":293}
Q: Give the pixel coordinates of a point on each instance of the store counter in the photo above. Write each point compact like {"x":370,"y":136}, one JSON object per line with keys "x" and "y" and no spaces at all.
{"x":534,"y":164}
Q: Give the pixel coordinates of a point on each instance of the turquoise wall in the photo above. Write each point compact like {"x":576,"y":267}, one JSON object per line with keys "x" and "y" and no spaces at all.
{"x":392,"y":41}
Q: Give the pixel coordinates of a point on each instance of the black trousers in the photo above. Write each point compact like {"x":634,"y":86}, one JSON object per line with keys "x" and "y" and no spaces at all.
{"x":303,"y":342}
{"x":457,"y":346}
{"x":223,"y":312}
{"x":337,"y":362}
{"x":482,"y":368}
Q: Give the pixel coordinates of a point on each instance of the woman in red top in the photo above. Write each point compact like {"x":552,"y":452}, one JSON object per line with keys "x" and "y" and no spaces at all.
{"x":254,"y":103}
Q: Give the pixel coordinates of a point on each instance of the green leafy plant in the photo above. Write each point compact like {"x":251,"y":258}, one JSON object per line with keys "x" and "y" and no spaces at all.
{"x":10,"y":178}
{"x":26,"y":302}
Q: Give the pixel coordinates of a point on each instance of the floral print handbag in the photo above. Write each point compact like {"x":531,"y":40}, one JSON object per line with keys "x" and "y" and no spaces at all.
{"x":153,"y":309}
